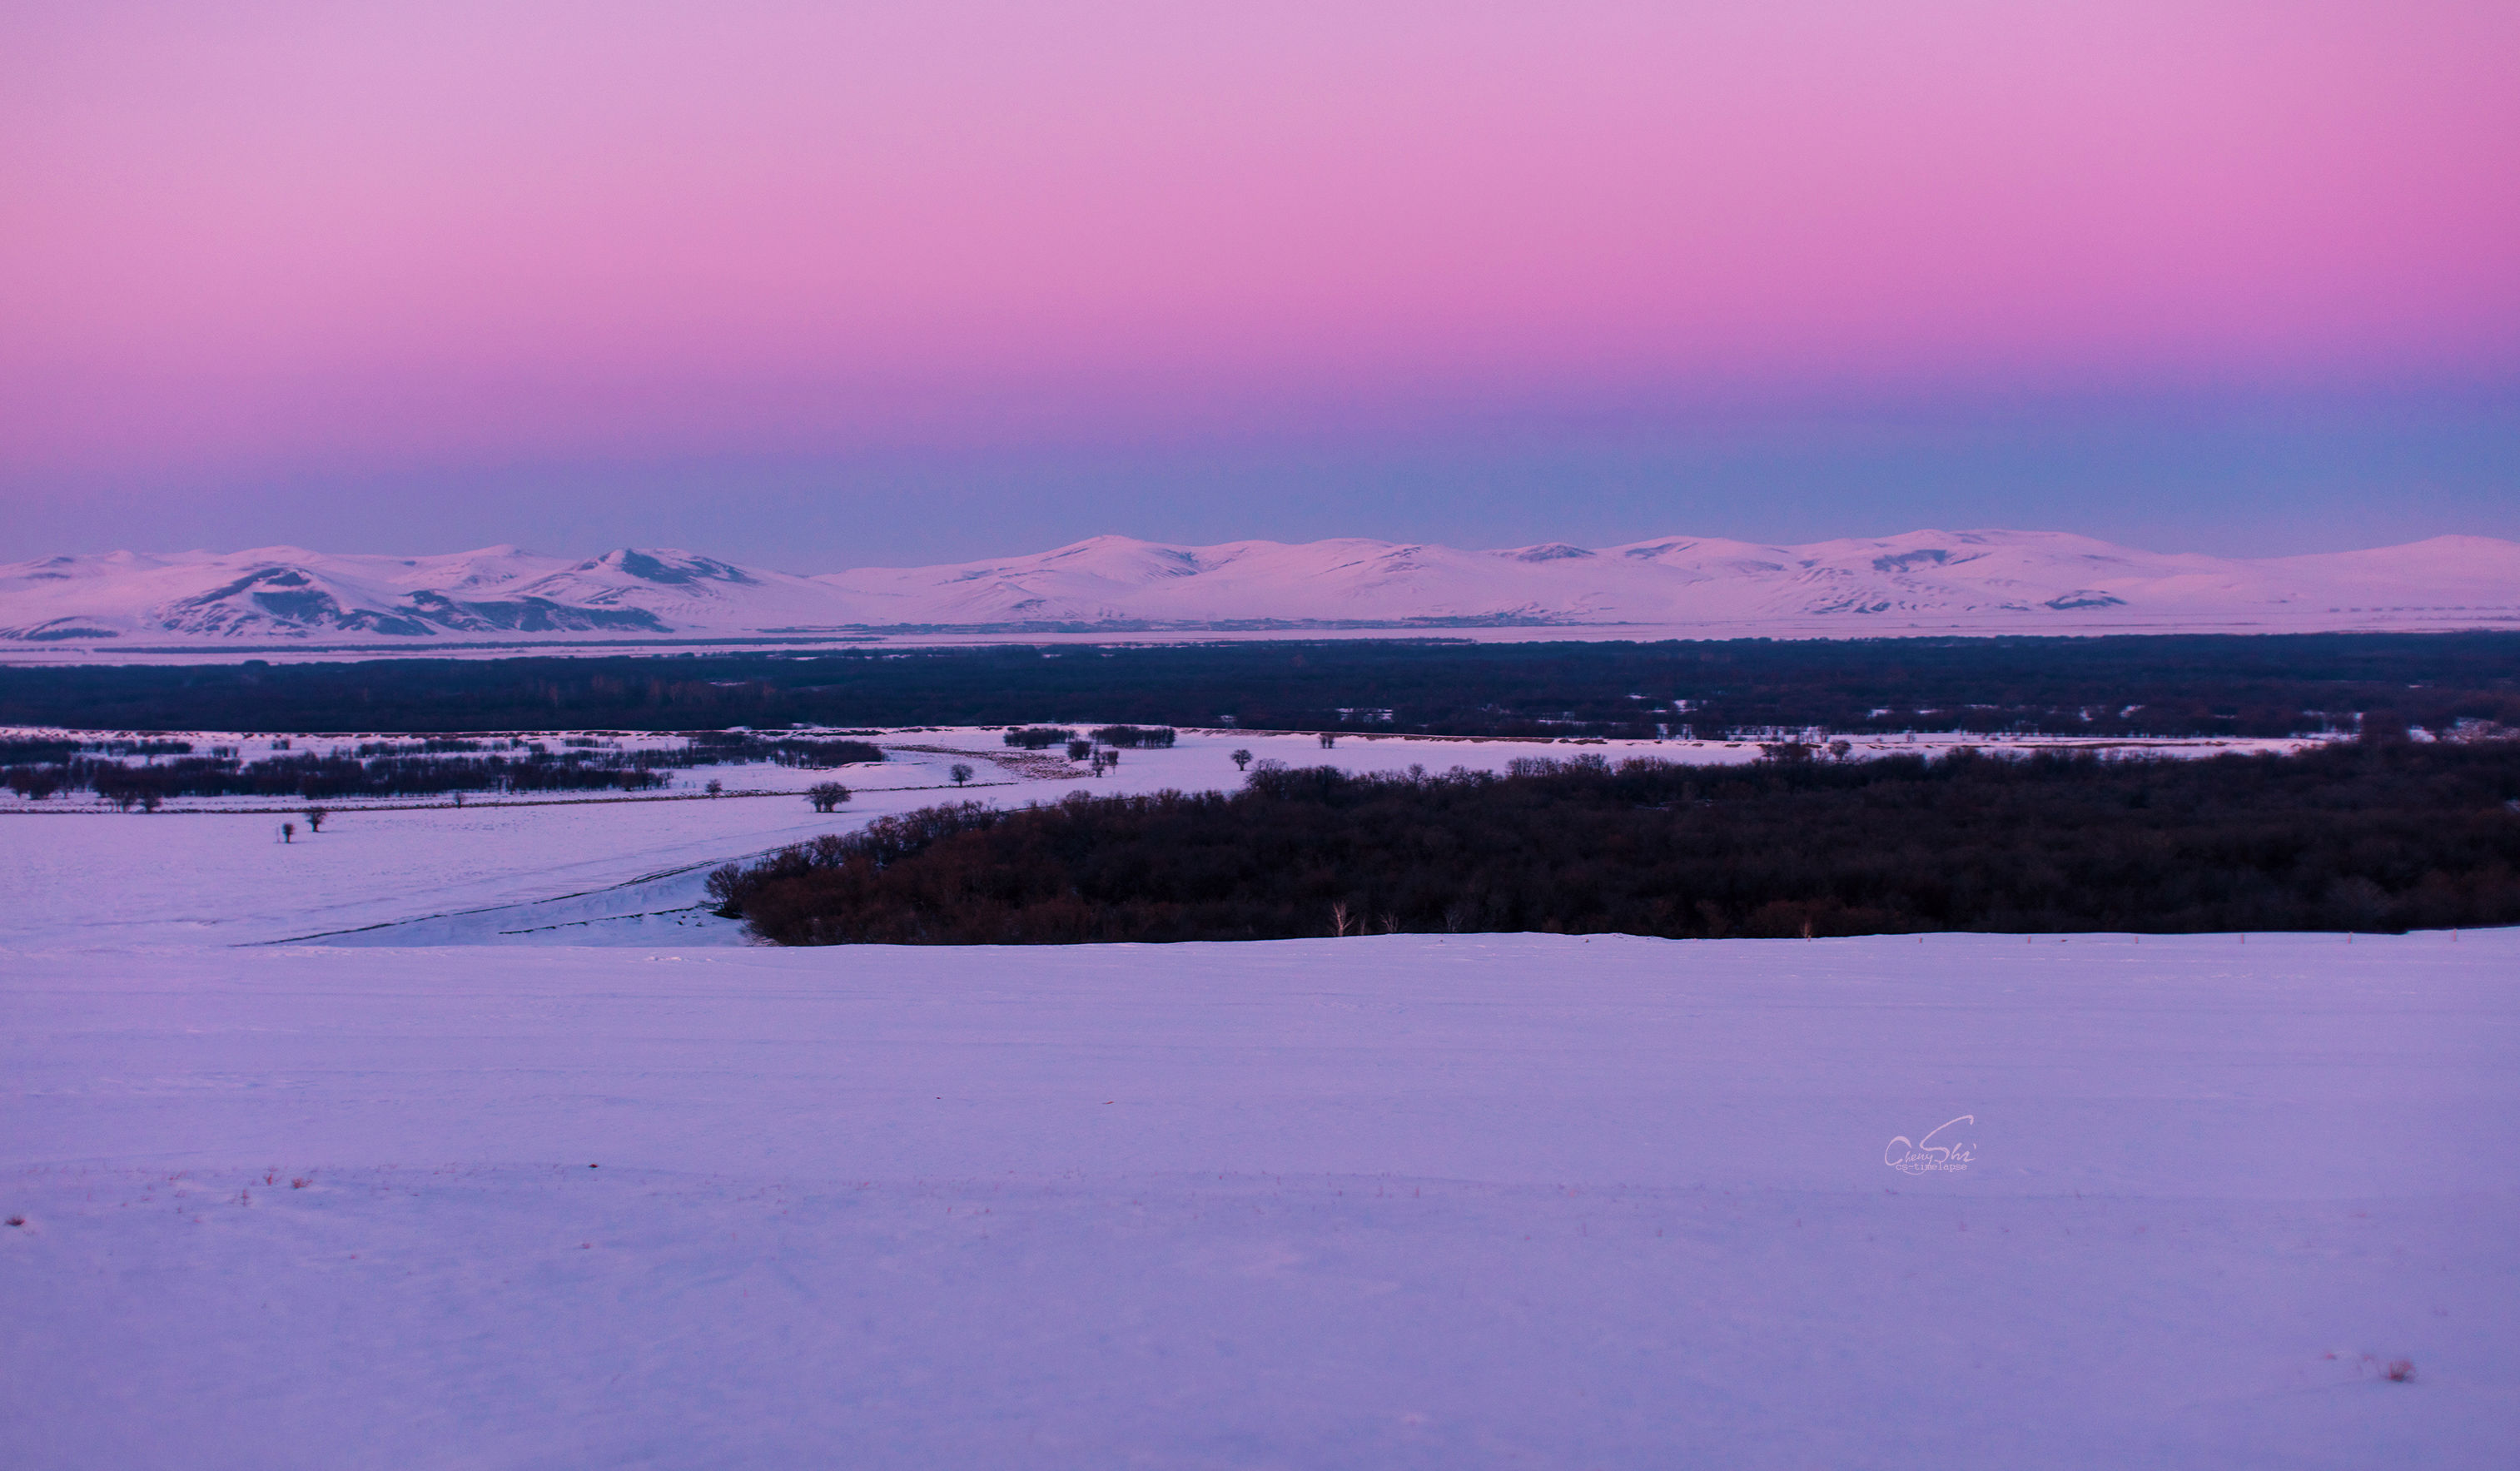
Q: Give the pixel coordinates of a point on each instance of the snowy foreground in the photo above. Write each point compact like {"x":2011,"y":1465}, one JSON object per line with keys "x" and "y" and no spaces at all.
{"x":1376,"y":1202}
{"x":404,"y":1194}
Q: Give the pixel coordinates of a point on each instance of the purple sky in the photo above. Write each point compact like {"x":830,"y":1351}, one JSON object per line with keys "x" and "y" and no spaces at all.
{"x":823,"y":283}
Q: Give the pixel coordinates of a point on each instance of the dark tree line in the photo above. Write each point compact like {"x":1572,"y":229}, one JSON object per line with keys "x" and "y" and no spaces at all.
{"x":2360,"y":836}
{"x":739,"y":747}
{"x":386,"y":769}
{"x":55,"y":750}
{"x":312,"y":776}
{"x":2122,"y":686}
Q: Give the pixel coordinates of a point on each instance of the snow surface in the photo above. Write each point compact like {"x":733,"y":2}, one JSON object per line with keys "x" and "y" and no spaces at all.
{"x":129,"y":604}
{"x":1384,"y":1202}
{"x":666,"y":1199}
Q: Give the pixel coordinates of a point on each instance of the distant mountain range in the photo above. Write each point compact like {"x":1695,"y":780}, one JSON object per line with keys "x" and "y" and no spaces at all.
{"x":1921,"y":582}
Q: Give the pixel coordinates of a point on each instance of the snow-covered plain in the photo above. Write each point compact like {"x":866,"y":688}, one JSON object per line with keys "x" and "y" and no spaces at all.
{"x":667,"y":1200}
{"x":1400,"y":1201}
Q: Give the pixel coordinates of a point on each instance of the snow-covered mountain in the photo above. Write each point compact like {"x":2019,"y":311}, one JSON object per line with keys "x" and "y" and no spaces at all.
{"x":288,"y":594}
{"x":1923,"y":581}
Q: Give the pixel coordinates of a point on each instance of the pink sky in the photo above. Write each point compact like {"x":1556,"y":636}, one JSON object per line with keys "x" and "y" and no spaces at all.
{"x":290,"y":234}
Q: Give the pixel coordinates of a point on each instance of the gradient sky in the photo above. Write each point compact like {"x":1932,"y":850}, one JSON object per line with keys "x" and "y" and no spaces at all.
{"x":824,"y":284}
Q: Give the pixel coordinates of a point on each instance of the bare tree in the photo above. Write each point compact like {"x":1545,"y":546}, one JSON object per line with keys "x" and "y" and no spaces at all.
{"x":959,"y":773}
{"x":715,"y":787}
{"x":1242,"y":761}
{"x":1339,"y":918}
{"x":1840,"y":748}
{"x":315,"y":817}
{"x":724,"y":887}
{"x":827,"y":795}
{"x":1328,"y":739}
{"x":287,"y":833}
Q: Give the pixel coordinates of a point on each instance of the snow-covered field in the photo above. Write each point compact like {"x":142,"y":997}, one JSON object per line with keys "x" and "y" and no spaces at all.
{"x":662,"y":1199}
{"x":605,"y":869}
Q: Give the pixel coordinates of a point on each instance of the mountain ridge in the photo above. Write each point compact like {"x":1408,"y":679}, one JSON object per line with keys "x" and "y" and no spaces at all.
{"x":1920,"y":581}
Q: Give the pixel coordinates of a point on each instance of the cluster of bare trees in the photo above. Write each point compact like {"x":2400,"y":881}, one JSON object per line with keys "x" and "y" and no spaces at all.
{"x":2343,"y":837}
